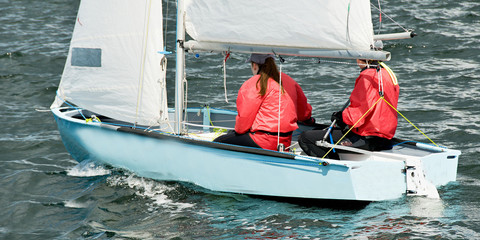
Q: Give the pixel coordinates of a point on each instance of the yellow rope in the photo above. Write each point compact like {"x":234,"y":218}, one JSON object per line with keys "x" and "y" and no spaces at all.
{"x":351,"y":128}
{"x":218,"y":131}
{"x":390,"y":72}
{"x":409,"y":122}
{"x":366,"y":114}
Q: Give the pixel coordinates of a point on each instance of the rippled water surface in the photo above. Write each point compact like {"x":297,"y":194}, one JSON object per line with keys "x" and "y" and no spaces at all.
{"x":45,"y":194}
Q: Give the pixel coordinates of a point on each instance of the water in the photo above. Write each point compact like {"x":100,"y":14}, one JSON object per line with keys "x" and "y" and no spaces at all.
{"x":45,"y":194}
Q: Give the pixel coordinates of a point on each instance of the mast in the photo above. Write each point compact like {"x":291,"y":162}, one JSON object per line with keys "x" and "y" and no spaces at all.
{"x":180,"y":64}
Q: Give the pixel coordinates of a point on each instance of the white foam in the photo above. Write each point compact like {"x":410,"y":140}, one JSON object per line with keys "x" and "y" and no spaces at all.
{"x":426,"y":207}
{"x":87,"y":169}
{"x":150,"y":189}
{"x":75,"y":204}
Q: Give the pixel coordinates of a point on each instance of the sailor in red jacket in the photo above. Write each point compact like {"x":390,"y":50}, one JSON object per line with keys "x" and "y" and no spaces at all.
{"x":264,"y":120}
{"x":382,"y":120}
{"x":371,"y":131}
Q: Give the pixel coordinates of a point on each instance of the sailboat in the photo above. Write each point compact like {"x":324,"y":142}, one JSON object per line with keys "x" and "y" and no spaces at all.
{"x":111,"y":104}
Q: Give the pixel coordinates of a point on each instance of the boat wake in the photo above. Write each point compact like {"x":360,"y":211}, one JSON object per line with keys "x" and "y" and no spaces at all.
{"x":150,"y":189}
{"x":157,"y":192}
{"x":87,"y":169}
{"x":424,"y":207}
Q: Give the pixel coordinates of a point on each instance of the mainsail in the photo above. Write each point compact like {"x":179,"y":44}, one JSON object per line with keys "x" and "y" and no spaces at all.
{"x":299,"y":27}
{"x":114,"y":66}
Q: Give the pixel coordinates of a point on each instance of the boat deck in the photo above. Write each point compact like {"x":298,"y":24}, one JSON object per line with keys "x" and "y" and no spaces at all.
{"x":204,"y":124}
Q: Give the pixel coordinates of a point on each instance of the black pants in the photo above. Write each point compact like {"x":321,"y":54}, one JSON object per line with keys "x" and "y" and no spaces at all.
{"x":238,"y":139}
{"x":308,"y":139}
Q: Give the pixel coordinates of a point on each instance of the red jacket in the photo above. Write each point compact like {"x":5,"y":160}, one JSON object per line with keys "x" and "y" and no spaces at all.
{"x":257,"y":112}
{"x":381,"y":121}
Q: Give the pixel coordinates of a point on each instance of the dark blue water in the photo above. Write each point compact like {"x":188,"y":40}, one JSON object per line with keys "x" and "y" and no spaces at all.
{"x":45,"y":194}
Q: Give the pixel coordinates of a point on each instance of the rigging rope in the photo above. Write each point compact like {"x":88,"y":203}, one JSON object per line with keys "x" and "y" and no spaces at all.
{"x":380,"y":98}
{"x":379,"y":17}
{"x":227,"y":55}
{"x":350,"y":129}
{"x":379,"y":74}
{"x":410,"y":122}
{"x":390,"y":72}
{"x":279,"y":106}
{"x":72,"y":106}
{"x":185,"y":102}
{"x":391,"y":19}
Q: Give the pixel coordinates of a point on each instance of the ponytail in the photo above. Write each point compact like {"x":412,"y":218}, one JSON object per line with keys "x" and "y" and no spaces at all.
{"x":266,"y":71}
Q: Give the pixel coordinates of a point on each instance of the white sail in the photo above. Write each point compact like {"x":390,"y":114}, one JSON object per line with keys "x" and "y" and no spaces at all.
{"x":114,"y":67}
{"x":339,"y":25}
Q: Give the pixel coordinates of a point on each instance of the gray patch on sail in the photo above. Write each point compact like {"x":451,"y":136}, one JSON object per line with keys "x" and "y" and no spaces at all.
{"x":87,"y":57}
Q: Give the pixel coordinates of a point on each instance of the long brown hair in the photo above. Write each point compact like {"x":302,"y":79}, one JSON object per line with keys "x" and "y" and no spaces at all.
{"x":266,"y":71}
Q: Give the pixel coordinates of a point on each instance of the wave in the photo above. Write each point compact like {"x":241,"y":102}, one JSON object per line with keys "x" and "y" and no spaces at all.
{"x":156,"y":191}
{"x":87,"y":169}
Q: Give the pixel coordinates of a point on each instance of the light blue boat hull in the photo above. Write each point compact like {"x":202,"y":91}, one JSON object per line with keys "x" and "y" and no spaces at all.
{"x":223,"y":168}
